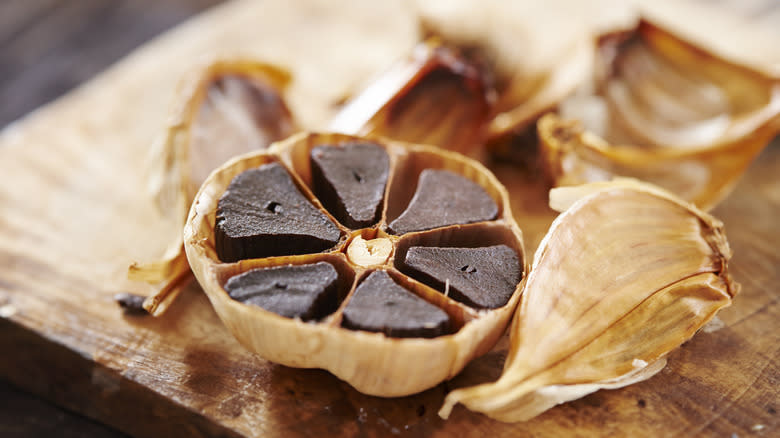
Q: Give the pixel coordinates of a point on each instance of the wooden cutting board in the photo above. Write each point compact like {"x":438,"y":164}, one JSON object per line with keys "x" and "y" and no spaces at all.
{"x":74,"y":213}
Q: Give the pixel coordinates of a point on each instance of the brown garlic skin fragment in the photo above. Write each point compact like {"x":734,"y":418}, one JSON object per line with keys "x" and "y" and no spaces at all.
{"x":224,"y":107}
{"x":237,"y":98}
{"x":371,"y":362}
{"x":437,"y":96}
{"x":662,"y":274}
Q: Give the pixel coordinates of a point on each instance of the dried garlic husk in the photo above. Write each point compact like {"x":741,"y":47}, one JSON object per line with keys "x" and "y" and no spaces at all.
{"x":627,"y":273}
{"x":667,"y":112}
{"x":436,"y":96}
{"x":224,"y":108}
{"x":537,"y":55}
{"x":371,"y":362}
{"x":687,"y":116}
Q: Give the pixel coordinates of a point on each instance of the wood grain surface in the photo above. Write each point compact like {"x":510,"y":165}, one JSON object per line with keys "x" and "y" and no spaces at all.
{"x":47,"y":48}
{"x":75,"y":214}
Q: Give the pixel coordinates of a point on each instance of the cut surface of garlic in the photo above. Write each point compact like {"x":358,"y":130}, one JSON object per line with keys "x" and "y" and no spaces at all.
{"x":387,"y":354}
{"x":626,"y":273}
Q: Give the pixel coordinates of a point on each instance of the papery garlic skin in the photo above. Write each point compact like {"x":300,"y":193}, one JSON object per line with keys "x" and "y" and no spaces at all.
{"x":667,"y":111}
{"x":436,"y":96}
{"x":371,"y":362}
{"x":224,"y":107}
{"x":627,"y":273}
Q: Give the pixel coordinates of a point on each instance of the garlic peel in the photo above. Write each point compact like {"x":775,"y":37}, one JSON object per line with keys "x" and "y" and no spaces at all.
{"x":436,"y":96}
{"x":215,"y":92}
{"x":626,"y":274}
{"x":223,"y":107}
{"x":533,"y":71}
{"x":548,"y":89}
{"x":667,"y":112}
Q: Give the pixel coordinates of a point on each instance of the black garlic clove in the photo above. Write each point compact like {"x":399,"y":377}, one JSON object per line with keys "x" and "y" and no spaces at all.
{"x":484,"y":277}
{"x":263,"y":214}
{"x":444,"y":198}
{"x":350,"y":181}
{"x":379,"y":304}
{"x":308,"y":292}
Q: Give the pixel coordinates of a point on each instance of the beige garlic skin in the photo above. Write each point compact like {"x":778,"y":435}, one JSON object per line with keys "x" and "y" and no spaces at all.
{"x":626,"y":273}
{"x":687,"y":107}
{"x":224,"y":107}
{"x":371,"y":362}
{"x":537,"y":57}
{"x":667,"y":112}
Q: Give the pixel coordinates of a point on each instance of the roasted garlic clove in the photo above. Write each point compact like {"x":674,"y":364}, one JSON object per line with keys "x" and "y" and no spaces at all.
{"x":226,"y":107}
{"x":437,"y":96}
{"x":626,"y":273}
{"x":386,"y":344}
{"x":667,"y":112}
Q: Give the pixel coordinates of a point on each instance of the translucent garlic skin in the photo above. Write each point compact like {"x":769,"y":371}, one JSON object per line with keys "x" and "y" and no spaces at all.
{"x":436,"y":96}
{"x":663,"y":110}
{"x":664,"y":96}
{"x":658,"y":273}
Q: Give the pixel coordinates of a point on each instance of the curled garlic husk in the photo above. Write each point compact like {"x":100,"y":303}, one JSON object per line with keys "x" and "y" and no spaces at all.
{"x":537,"y":55}
{"x":664,"y":111}
{"x":224,"y":107}
{"x":686,"y":113}
{"x":626,"y":273}
{"x":435,"y":96}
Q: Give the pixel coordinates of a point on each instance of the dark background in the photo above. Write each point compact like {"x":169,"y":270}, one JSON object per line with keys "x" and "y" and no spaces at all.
{"x":48,"y":47}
